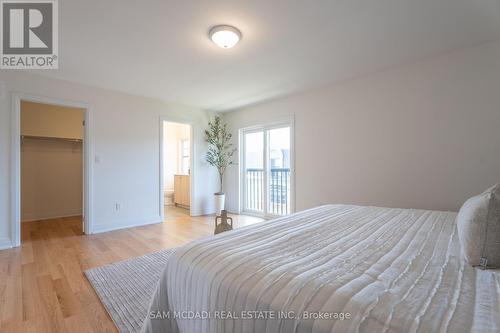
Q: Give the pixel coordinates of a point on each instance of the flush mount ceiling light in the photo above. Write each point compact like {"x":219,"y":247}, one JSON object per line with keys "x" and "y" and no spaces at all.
{"x":225,"y":36}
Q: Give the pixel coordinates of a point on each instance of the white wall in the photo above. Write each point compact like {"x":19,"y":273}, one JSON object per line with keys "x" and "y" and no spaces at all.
{"x":51,"y":120}
{"x":51,"y":179}
{"x":126,"y":140}
{"x":425,"y":135}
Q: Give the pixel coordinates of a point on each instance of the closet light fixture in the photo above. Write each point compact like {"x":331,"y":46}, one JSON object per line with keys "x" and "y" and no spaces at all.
{"x":225,"y":36}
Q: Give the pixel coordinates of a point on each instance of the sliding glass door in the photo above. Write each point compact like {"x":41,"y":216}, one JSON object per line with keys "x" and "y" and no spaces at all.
{"x":266,"y":171}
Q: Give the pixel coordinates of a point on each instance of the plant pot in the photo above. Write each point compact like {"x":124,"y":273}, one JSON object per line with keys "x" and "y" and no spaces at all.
{"x":220,"y":199}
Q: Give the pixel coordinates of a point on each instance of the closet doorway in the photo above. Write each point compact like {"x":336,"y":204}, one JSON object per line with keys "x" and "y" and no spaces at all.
{"x":51,"y":167}
{"x":51,"y":184}
{"x":176,"y":169}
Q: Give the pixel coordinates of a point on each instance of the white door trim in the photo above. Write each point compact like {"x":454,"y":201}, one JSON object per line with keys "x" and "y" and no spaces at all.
{"x":192,"y":175}
{"x":16,"y":161}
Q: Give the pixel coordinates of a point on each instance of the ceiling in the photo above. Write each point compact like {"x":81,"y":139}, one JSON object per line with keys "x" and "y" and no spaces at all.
{"x":160,"y":48}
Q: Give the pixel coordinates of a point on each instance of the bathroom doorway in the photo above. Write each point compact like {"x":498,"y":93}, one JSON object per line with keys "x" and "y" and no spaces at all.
{"x":176,"y":170}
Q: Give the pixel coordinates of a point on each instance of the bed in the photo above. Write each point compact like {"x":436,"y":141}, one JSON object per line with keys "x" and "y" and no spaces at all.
{"x":334,"y":268}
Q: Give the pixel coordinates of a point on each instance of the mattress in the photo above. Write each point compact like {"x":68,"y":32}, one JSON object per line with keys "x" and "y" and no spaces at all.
{"x":334,"y":268}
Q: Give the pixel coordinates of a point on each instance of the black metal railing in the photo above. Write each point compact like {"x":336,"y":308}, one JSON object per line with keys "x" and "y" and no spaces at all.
{"x":279,"y":191}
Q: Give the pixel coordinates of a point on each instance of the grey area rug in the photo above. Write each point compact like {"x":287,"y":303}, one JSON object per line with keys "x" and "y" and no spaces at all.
{"x":126,"y":287}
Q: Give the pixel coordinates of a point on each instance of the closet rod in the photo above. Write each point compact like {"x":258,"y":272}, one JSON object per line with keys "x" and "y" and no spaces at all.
{"x":33,"y":137}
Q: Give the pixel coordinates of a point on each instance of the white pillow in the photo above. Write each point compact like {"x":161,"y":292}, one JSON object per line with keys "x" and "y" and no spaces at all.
{"x":478,"y":223}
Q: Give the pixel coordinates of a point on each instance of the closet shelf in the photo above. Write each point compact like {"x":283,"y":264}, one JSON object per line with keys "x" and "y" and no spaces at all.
{"x":49,"y":138}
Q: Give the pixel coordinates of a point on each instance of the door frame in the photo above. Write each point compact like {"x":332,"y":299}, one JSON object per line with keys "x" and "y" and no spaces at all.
{"x":289,"y":122}
{"x":192,"y":174}
{"x":17,"y":98}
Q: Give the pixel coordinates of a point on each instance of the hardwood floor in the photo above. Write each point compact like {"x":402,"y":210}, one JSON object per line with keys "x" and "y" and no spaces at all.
{"x":42,"y":285}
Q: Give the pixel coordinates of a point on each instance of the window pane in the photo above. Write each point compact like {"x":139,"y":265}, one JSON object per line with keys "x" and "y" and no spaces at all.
{"x":254,"y":168}
{"x":185,"y":147}
{"x":185,"y":165}
{"x":279,"y":172}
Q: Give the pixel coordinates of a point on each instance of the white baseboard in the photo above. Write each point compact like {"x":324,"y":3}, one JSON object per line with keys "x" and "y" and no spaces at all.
{"x":5,"y":243}
{"x":117,"y":226}
{"x":29,"y":217}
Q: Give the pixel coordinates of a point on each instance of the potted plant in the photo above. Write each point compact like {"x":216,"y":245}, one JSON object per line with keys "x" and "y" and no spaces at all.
{"x":220,"y":155}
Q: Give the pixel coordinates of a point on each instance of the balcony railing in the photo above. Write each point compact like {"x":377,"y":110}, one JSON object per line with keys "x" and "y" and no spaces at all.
{"x":279,"y":191}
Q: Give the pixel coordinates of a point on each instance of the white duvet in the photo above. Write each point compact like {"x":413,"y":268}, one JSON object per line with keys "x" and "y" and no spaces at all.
{"x":334,"y":268}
